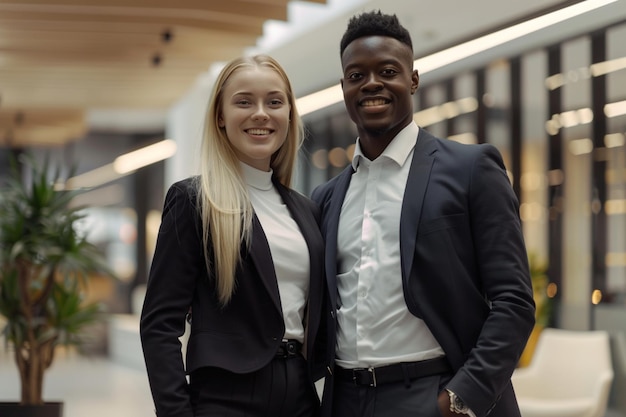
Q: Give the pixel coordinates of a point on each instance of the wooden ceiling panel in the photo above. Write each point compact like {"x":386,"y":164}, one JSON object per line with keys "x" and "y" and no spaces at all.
{"x":225,"y":23}
{"x":226,"y":9}
{"x":61,"y":58}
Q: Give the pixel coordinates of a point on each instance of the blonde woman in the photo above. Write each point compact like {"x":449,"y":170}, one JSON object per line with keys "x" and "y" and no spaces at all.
{"x":242,"y":252}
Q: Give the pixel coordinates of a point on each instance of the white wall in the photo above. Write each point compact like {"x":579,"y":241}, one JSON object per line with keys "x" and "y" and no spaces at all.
{"x":185,"y":124}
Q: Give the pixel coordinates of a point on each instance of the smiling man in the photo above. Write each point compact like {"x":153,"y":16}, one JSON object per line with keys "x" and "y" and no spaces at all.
{"x":425,"y":247}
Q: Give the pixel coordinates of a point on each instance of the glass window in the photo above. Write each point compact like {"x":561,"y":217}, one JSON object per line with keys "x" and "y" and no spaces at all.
{"x":575,"y":125}
{"x":498,"y":101}
{"x":534,"y":182}
{"x":430,"y":113}
{"x":464,"y":106}
{"x":616,"y":163}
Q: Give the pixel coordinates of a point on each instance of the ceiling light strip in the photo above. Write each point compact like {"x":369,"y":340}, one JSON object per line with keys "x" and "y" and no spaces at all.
{"x":333,"y":95}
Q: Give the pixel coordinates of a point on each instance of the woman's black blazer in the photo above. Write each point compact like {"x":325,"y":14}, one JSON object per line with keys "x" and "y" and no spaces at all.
{"x":244,"y":335}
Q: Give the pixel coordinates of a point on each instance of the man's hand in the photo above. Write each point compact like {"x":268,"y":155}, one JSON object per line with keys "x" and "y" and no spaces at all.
{"x":444,"y":405}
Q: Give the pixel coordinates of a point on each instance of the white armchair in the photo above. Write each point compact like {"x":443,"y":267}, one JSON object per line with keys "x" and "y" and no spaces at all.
{"x":618,"y":388}
{"x":569,"y":375}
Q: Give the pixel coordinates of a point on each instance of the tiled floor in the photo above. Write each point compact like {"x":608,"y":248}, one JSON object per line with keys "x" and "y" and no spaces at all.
{"x":89,"y":387}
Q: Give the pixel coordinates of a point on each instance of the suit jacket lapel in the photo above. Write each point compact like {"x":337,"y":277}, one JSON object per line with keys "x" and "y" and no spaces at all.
{"x":262,"y":258}
{"x":261,"y":253}
{"x":413,"y":200}
{"x":309,"y":229}
{"x":334,"y":211}
{"x":305,"y":221}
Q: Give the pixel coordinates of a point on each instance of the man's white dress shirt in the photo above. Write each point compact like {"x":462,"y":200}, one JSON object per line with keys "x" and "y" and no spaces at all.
{"x":375,"y":327}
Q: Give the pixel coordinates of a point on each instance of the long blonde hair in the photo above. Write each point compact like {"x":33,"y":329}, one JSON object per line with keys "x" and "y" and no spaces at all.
{"x":222,"y":194}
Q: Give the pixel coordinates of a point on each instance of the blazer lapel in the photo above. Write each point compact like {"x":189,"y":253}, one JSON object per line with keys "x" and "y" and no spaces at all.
{"x":305,"y":221}
{"x":262,"y":258}
{"x":413,"y":200}
{"x":261,"y":253}
{"x":310,"y":230}
{"x":334,"y":210}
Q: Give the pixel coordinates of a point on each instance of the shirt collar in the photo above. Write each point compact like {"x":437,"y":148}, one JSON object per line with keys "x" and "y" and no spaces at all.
{"x":261,"y":180}
{"x":398,"y":149}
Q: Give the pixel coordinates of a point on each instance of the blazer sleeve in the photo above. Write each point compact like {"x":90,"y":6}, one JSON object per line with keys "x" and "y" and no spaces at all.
{"x":178,"y":261}
{"x":502,"y":270}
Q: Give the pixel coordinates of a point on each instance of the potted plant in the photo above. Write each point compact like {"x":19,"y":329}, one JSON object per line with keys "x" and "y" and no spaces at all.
{"x":45,"y":263}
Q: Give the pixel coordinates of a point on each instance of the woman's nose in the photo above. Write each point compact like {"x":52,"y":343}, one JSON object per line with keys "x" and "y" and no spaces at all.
{"x":260,"y":114}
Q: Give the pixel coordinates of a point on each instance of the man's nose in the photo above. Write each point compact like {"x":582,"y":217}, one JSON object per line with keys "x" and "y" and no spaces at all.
{"x":372,"y":83}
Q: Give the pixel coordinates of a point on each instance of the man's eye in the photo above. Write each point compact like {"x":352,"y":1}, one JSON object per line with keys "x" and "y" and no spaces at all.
{"x":355,"y":76}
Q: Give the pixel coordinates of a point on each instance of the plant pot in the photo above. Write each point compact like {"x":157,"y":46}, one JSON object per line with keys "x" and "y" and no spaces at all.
{"x":14,"y":409}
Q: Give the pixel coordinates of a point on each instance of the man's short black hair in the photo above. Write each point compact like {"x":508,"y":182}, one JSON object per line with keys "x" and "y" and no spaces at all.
{"x":375,"y":23}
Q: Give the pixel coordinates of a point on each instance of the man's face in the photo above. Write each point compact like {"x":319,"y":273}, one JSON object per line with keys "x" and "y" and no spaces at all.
{"x":378,"y":83}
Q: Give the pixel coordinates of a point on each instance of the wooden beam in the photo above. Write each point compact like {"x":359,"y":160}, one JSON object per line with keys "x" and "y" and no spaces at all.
{"x":262,"y":9}
{"x":196,"y":41}
{"x":225,"y":23}
{"x":180,"y":34}
{"x":122,"y":71}
{"x":42,"y":136}
{"x":125,"y":61}
{"x":41,"y":127}
{"x":15,"y":116}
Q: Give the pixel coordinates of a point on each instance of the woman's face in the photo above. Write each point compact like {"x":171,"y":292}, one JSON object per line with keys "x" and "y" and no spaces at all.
{"x":255,"y":114}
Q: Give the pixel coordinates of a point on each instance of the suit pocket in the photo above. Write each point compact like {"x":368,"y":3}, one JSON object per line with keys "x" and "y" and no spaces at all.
{"x":442,"y":223}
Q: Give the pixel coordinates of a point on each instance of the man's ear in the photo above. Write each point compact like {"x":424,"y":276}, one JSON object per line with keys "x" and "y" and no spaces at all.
{"x":415,"y":81}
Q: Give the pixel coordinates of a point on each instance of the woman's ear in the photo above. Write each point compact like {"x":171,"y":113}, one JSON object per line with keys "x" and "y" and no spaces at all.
{"x":220,"y":122}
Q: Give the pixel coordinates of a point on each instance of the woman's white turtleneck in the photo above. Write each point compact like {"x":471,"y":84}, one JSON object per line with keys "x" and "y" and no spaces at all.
{"x":290,"y":253}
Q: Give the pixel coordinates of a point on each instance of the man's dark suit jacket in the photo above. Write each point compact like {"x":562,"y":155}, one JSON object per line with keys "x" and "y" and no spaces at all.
{"x":464,"y":264}
{"x":241,"y":337}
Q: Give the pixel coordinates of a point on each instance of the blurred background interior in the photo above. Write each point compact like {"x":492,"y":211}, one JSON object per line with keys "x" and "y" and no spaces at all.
{"x":118,"y":88}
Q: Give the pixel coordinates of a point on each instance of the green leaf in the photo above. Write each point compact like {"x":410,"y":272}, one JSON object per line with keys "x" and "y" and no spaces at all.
{"x":43,"y":256}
